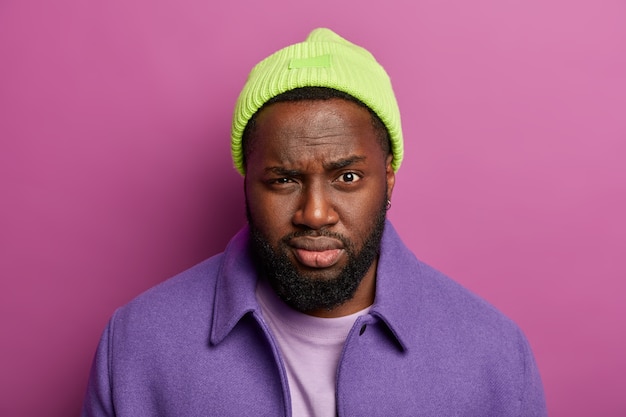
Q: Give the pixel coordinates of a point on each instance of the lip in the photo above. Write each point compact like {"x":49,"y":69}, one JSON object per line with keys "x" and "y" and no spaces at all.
{"x":315,"y":243}
{"x":317,"y":252}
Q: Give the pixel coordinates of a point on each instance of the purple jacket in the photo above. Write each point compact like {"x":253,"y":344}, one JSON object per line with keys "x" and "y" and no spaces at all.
{"x":197,"y":345}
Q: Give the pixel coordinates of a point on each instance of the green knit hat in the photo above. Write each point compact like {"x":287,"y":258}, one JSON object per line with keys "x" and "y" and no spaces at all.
{"x":325,"y":59}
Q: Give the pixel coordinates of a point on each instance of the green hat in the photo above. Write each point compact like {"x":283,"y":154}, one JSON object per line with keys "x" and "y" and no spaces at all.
{"x":324,"y":59}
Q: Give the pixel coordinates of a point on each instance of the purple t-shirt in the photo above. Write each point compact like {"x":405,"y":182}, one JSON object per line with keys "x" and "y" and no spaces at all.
{"x":310,"y":348}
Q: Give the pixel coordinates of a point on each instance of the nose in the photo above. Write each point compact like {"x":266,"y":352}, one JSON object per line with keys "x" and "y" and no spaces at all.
{"x":316,"y":210}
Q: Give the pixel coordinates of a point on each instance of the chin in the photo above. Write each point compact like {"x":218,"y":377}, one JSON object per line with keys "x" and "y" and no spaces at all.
{"x":317,"y":275}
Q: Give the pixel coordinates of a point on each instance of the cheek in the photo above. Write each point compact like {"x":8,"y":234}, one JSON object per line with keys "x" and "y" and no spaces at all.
{"x":270,"y":213}
{"x":357,"y":213}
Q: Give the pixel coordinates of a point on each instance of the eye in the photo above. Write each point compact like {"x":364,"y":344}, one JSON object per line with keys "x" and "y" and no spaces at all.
{"x":280,"y":181}
{"x":349,"y":177}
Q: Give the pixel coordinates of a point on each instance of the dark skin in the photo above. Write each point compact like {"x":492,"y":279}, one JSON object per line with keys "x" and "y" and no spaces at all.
{"x":318,"y":165}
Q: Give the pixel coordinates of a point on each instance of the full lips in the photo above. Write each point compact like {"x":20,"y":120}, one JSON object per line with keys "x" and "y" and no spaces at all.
{"x":316,"y":252}
{"x":318,"y":259}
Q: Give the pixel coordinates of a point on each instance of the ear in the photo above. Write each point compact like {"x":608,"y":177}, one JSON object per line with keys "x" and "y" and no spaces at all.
{"x":391,"y":175}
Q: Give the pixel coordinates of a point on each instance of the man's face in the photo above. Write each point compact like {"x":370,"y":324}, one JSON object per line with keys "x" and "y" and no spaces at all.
{"x":316,"y":186}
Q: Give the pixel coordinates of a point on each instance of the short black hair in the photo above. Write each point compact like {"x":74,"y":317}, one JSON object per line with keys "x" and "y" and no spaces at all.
{"x":313,"y":94}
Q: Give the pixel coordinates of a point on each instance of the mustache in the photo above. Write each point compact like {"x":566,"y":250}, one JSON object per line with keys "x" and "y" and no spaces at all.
{"x":317,"y":233}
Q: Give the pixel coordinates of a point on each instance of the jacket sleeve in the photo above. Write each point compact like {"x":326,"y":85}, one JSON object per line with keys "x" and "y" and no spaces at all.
{"x":98,"y":400}
{"x":533,"y":403}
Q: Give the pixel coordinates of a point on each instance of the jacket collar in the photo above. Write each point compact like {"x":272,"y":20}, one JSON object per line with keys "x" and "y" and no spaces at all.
{"x":398,"y":287}
{"x":235,"y":286}
{"x":396,"y":302}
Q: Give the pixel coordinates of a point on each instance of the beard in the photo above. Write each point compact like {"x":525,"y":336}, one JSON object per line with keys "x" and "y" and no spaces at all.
{"x":305,"y":292}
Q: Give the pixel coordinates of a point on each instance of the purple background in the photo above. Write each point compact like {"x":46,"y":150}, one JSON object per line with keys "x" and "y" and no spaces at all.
{"x":115,"y":168}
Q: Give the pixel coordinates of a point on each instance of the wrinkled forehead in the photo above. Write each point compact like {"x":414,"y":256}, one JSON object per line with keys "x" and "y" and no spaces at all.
{"x":292,"y":134}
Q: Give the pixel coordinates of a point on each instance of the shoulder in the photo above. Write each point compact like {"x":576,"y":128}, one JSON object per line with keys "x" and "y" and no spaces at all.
{"x":449,"y":331}
{"x":465,"y":320}
{"x":442,"y":297}
{"x":178,"y":300}
{"x":425,"y":305}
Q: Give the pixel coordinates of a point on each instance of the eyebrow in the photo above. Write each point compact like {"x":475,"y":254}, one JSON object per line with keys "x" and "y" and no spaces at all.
{"x":329,"y":166}
{"x":282,"y":171}
{"x":342,"y":163}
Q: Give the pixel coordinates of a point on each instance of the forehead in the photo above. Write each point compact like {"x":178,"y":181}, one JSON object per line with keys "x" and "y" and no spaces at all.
{"x":301,"y":132}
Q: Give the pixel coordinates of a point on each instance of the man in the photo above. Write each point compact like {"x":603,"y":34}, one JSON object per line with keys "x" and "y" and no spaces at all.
{"x":316,"y":308}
